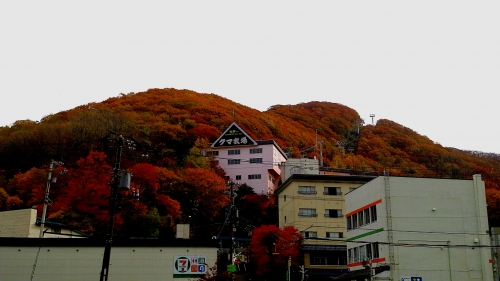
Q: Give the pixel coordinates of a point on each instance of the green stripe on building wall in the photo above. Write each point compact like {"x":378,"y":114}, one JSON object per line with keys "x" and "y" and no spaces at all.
{"x":365,"y":234}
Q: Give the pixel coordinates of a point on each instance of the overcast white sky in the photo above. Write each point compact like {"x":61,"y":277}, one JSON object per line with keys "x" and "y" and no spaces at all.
{"x":432,"y":66}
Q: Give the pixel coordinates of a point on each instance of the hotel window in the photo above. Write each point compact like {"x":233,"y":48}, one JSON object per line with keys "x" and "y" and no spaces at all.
{"x":213,"y":153}
{"x":354,"y":221}
{"x":332,"y":191}
{"x":255,"y":150}
{"x":254,"y":177}
{"x":307,"y":190}
{"x":307,"y":212}
{"x":332,"y":213}
{"x":334,"y":235}
{"x":310,"y":234}
{"x":233,"y":152}
{"x":255,"y":160}
{"x":233,"y":161}
{"x":349,"y":223}
{"x":238,"y":177}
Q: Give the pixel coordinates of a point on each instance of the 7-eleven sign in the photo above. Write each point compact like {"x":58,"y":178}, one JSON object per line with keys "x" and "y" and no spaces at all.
{"x":188,"y":265}
{"x":182,"y":265}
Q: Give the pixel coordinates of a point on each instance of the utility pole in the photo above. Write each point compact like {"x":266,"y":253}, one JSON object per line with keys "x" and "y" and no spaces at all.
{"x":46,"y":201}
{"x":115,"y":181}
{"x":231,"y":243}
{"x":289,"y":265}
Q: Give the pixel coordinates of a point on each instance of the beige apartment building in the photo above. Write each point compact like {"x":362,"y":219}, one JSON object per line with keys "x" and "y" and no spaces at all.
{"x":315,"y":205}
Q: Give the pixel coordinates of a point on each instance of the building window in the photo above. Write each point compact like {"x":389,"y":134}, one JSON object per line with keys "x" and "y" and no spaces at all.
{"x":332,"y":191}
{"x":238,"y":177}
{"x":255,"y":150}
{"x":310,"y":234}
{"x":213,"y":153}
{"x":373,"y":213}
{"x":254,"y":177}
{"x":375,"y":250}
{"x":255,"y":160}
{"x":363,"y":217}
{"x":360,"y":219}
{"x":318,"y":261}
{"x":363,"y":253}
{"x":334,"y":235}
{"x":233,"y":161}
{"x":367,"y":216}
{"x":233,"y":152}
{"x":333,"y":213}
{"x":307,"y":190}
{"x":328,"y":258}
{"x":307,"y":212}
{"x":55,"y":230}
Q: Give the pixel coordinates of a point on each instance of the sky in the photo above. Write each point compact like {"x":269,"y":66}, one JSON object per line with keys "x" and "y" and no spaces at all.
{"x":432,"y":66}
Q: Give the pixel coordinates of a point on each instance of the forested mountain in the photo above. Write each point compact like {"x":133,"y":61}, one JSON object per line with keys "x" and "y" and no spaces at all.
{"x":171,"y":127}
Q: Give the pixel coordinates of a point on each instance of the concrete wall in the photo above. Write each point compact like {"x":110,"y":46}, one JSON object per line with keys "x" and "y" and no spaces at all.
{"x":439,"y":227}
{"x":18,"y":223}
{"x":82,"y":261}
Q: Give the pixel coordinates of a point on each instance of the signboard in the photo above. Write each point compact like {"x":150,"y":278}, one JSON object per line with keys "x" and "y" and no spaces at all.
{"x":234,"y":136}
{"x":189,"y":266}
{"x":413,"y":278}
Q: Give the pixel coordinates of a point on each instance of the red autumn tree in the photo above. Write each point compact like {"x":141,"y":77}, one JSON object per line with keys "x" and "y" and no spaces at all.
{"x":29,"y":186}
{"x":272,"y":247}
{"x":84,"y":203}
{"x":145,"y":210}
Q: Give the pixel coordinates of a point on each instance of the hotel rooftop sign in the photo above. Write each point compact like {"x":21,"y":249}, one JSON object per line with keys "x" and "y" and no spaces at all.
{"x":234,"y":136}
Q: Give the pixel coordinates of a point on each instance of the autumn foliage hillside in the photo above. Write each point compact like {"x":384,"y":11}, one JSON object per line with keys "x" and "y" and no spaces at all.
{"x":171,"y":127}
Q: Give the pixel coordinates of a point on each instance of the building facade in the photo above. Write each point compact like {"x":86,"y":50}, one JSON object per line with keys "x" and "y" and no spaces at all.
{"x":81,"y":259}
{"x":418,"y":229}
{"x":247,"y":161}
{"x":24,"y":223}
{"x":315,"y":205}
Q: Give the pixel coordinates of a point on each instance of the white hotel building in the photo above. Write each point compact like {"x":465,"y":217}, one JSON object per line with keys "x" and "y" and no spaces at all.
{"x":245,"y":160}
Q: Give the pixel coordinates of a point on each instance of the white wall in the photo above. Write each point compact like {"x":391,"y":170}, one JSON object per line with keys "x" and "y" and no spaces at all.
{"x":82,"y":263}
{"x":427,"y":216}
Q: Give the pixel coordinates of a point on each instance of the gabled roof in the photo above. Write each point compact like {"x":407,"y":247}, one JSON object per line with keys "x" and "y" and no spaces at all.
{"x":234,"y":136}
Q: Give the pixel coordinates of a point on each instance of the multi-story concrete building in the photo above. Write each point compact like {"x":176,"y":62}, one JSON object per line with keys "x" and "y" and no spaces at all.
{"x":418,"y":229}
{"x":245,"y":160}
{"x":314,"y":204}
